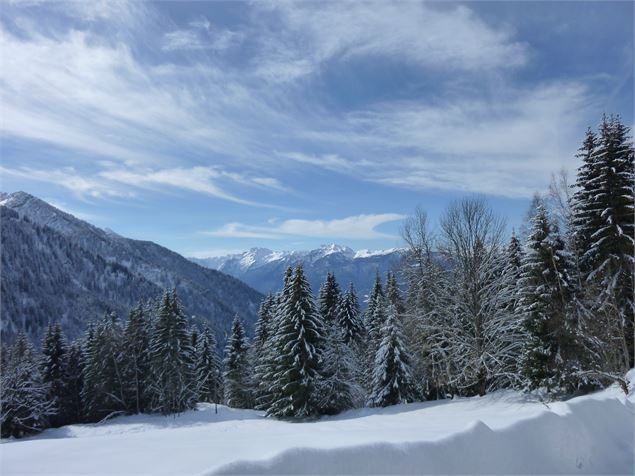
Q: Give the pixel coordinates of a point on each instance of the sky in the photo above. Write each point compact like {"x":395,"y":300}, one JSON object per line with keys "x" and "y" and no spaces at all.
{"x":213,"y":127}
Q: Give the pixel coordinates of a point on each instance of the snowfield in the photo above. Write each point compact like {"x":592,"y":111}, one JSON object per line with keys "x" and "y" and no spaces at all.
{"x":504,"y":433}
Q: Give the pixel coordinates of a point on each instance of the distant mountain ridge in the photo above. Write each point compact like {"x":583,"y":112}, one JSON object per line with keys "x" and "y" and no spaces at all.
{"x":58,"y":268}
{"x":262,"y":268}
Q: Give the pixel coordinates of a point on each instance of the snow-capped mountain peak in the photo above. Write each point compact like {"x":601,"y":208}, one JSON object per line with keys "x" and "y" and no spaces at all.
{"x":263,"y":268}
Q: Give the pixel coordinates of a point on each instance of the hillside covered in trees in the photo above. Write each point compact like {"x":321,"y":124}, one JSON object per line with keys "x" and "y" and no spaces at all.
{"x":59,"y":269}
{"x":552,"y":313}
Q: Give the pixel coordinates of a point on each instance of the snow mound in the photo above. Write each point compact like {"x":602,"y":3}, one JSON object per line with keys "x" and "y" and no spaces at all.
{"x":501,"y":433}
{"x":592,"y":437}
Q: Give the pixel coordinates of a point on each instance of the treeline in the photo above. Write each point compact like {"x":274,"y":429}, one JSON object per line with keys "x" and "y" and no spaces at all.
{"x":468,"y":312}
{"x":152,"y":363}
{"x":553,"y":310}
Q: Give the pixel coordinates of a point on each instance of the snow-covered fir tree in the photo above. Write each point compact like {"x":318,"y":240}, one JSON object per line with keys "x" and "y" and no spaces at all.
{"x":299,"y":343}
{"x":104,"y":384}
{"x":604,"y":222}
{"x":393,"y":293}
{"x":74,"y":382}
{"x":136,"y":365}
{"x":349,"y":317}
{"x":392,"y":380}
{"x":54,"y":373}
{"x":25,"y":405}
{"x":266,"y":366}
{"x":338,"y":389}
{"x":259,"y":347}
{"x":329,"y":299}
{"x":171,"y":384}
{"x":207,"y":369}
{"x":374,"y":315}
{"x":236,"y":376}
{"x":549,"y":356}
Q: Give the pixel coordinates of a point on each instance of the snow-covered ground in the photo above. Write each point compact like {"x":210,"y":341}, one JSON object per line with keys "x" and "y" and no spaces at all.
{"x":504,"y":433}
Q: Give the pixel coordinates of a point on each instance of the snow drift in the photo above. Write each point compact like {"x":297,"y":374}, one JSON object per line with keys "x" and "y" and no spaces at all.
{"x":504,"y":432}
{"x":586,"y":437}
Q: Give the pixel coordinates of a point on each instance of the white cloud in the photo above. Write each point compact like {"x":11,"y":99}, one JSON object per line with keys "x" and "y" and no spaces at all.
{"x":194,"y":39}
{"x":353,"y":227}
{"x":507,"y":144}
{"x":157,"y":123}
{"x":80,"y":185}
{"x":433,"y":36}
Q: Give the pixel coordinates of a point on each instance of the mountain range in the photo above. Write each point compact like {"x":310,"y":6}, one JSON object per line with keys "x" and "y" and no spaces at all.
{"x":263,"y":269}
{"x":58,"y":268}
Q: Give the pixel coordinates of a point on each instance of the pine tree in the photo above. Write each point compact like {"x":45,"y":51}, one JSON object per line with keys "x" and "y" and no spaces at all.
{"x":266,"y":367}
{"x":338,"y":389}
{"x":329,"y":299}
{"x":547,"y":359}
{"x":171,"y":384}
{"x":74,"y":382}
{"x":236,"y":377}
{"x":207,"y":369}
{"x":349,"y":317}
{"x":136,"y":363}
{"x":393,"y":294}
{"x":392,"y":382}
{"x":604,"y":223}
{"x":259,"y":348}
{"x":104,"y":385}
{"x":374,"y":315}
{"x":25,"y":406}
{"x":299,"y":344}
{"x":54,"y":373}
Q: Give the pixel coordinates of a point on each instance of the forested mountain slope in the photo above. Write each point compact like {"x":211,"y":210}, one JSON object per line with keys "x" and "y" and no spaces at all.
{"x":57,"y":268}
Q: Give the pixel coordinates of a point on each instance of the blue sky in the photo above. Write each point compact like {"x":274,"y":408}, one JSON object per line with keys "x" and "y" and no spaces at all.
{"x":213,"y":127}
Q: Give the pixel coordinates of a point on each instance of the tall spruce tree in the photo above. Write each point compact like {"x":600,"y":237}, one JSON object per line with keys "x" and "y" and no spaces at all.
{"x":171,"y":383}
{"x":136,"y":366}
{"x":262,"y":335}
{"x":207,"y":369}
{"x":549,"y":352}
{"x":338,"y":389}
{"x":104,"y":384}
{"x":299,"y":344}
{"x":54,"y":373}
{"x":266,"y":367}
{"x":349,"y":317}
{"x":236,"y":378}
{"x":329,"y":299}
{"x":74,"y":381}
{"x":392,"y":380}
{"x":374,"y":315}
{"x":604,"y":221}
{"x":25,"y":406}
{"x":393,"y":294}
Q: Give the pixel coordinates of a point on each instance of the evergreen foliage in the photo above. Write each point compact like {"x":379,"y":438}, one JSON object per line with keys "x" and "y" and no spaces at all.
{"x":26,"y":407}
{"x":54,"y":374}
{"x":299,"y":344}
{"x":104,"y":386}
{"x":392,"y":380}
{"x":545,"y":294}
{"x":207,"y":370}
{"x":170,"y":384}
{"x":329,"y":299}
{"x":236,"y":377}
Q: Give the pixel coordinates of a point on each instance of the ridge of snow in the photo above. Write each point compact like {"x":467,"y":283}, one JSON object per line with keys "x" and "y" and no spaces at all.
{"x":370,"y":253}
{"x":502,"y":433}
{"x":256,"y":257}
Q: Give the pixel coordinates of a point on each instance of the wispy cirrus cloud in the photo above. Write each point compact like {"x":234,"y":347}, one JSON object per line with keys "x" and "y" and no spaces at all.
{"x":78,"y":184}
{"x":146,"y":95}
{"x":451,"y":38}
{"x":359,"y":227}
